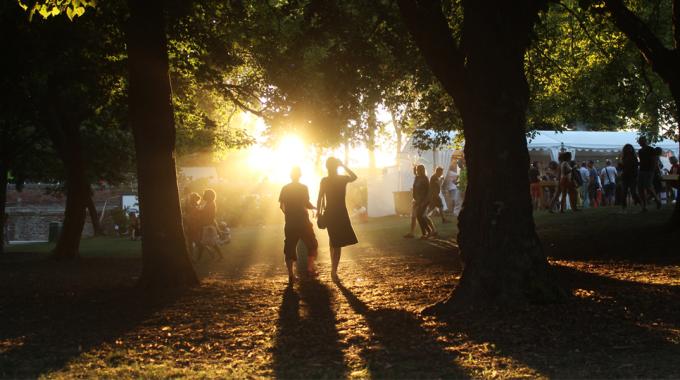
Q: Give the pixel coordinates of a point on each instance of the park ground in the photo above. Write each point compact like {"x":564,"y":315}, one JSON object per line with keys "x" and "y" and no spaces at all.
{"x":85,"y":318}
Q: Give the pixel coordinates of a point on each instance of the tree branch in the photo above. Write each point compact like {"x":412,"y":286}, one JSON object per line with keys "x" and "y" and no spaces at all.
{"x":582,"y":24}
{"x":637,"y":31}
{"x":429,"y":28}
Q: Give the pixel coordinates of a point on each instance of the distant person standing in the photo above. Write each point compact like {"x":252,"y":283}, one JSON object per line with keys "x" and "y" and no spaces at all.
{"x":421,"y":192}
{"x":331,"y":202}
{"x":629,"y":175}
{"x":208,"y":226}
{"x":535,"y":185}
{"x":295,"y":204}
{"x":133,"y":225}
{"x":648,"y":166}
{"x":675,"y":185}
{"x":451,"y":188}
{"x":583,"y":189}
{"x":594,"y":184}
{"x":608,"y":177}
{"x":436,"y":204}
{"x":566,"y":183}
{"x":410,"y":234}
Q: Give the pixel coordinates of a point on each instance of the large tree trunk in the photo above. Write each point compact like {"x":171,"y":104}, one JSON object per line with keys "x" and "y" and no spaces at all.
{"x":4,"y":173}
{"x":165,"y":258}
{"x":68,"y":245}
{"x":94,"y":217}
{"x":504,"y":262}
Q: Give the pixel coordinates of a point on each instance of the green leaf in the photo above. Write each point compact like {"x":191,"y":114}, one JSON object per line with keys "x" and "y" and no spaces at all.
{"x":44,"y":12}
{"x":70,"y":13}
{"x":80,"y":11}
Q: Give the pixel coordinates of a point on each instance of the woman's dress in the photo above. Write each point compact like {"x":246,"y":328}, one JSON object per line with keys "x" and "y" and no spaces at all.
{"x":340,"y":231}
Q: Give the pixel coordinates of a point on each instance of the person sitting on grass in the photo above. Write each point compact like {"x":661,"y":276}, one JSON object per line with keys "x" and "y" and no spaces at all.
{"x":294,"y":202}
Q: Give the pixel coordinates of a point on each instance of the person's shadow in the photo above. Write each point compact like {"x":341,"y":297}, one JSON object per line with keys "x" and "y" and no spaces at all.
{"x":400,"y":346}
{"x":307,"y":344}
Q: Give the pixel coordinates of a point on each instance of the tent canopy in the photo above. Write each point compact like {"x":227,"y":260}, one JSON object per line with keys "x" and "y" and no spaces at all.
{"x":542,"y":145}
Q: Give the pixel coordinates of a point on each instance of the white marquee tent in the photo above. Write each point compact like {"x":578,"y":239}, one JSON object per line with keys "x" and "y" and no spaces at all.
{"x":543,"y":146}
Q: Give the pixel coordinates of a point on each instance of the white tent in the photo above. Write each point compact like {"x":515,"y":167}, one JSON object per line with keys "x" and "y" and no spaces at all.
{"x":542,"y":145}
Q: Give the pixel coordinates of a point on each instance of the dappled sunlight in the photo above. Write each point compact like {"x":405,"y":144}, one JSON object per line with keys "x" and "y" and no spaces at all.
{"x":651,"y":274}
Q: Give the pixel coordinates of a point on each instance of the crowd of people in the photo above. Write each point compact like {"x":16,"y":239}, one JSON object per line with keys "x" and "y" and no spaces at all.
{"x":637,"y":177}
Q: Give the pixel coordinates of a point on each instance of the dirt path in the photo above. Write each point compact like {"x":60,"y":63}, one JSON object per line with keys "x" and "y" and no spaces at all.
{"x":85,"y":320}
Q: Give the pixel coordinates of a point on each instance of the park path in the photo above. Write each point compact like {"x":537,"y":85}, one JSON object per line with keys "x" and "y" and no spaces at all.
{"x":85,"y":319}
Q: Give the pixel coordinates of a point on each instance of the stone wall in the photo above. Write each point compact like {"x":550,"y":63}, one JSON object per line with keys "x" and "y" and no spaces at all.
{"x":30,"y":211}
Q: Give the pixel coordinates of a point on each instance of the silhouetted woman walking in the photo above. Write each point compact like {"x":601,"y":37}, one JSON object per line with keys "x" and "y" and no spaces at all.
{"x":332,"y":207}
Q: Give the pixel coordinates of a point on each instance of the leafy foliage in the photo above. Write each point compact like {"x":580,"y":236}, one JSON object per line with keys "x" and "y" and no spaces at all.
{"x":50,"y":8}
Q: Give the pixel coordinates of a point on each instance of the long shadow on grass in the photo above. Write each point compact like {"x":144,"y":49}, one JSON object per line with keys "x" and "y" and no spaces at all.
{"x":307,"y":344}
{"x":608,"y":328}
{"x":43,"y":332}
{"x":402,"y":347}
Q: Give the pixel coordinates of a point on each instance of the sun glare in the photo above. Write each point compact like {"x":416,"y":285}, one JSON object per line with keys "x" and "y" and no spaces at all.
{"x":276,"y":162}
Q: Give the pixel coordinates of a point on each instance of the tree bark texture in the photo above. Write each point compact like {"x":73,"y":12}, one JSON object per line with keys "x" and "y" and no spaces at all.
{"x":504,"y":262}
{"x":4,"y":174}
{"x":165,"y":259}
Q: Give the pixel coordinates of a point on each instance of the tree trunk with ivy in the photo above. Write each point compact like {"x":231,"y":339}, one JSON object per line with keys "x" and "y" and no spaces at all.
{"x":504,"y":262}
{"x":165,"y":257}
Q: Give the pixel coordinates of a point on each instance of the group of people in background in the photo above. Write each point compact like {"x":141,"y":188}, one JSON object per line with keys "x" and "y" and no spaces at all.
{"x":427,"y":198}
{"x":331,"y":215}
{"x":200,"y":227}
{"x":637,"y":178}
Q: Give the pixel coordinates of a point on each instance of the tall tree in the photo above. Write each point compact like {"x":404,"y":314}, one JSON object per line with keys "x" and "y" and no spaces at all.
{"x":483,"y":72}
{"x":165,"y":256}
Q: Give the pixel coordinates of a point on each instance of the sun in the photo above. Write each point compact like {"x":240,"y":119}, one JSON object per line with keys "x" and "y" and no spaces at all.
{"x":291,"y":149}
{"x":276,"y":162}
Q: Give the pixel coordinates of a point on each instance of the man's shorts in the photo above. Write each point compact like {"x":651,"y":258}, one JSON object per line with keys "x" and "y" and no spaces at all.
{"x":294,"y":234}
{"x":645,"y":179}
{"x":610,"y":189}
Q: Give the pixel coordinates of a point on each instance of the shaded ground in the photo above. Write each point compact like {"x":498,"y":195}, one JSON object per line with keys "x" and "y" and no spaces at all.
{"x":85,"y":319}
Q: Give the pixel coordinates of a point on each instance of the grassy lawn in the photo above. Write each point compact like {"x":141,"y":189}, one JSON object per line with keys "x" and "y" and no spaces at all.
{"x":86,"y":319}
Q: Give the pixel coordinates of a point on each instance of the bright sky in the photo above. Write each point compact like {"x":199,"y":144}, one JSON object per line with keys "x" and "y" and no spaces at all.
{"x":276,"y":161}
